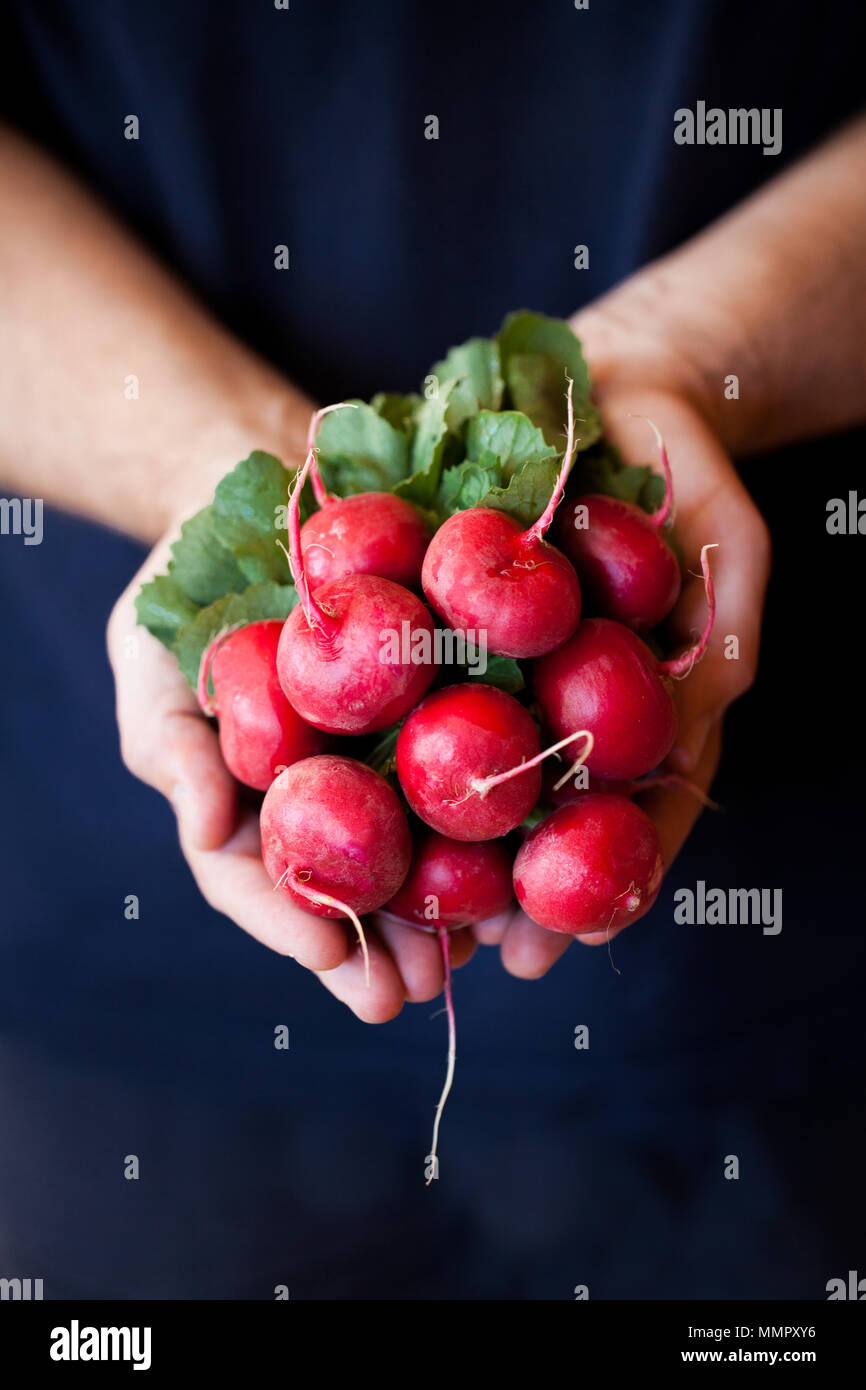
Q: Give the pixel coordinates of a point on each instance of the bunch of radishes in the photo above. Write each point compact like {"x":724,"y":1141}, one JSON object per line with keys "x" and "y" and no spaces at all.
{"x":434,"y":844}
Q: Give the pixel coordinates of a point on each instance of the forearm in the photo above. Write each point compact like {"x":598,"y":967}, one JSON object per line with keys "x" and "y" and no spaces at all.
{"x":120,"y":398}
{"x":774,"y":293}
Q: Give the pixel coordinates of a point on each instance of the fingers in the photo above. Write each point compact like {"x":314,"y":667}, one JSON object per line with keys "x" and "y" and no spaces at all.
{"x":419,"y":976}
{"x":528,"y":951}
{"x":711,"y":506}
{"x":233,"y":880}
{"x":164,"y":739}
{"x":491,"y":932}
{"x":418,"y":956}
{"x":740,"y":569}
{"x":383,"y":998}
{"x":674,"y":809}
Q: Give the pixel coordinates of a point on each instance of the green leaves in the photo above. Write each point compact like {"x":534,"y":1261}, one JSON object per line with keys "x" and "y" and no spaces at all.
{"x":201,"y":565}
{"x":490,"y":434}
{"x":383,"y":756}
{"x":528,"y":493}
{"x":503,"y":672}
{"x":399,"y":411}
{"x":602,"y":470}
{"x":256,"y":603}
{"x":509,"y":466}
{"x":360,"y":451}
{"x":248,"y":508}
{"x":226,"y":568}
{"x":536,"y":354}
{"x":510,"y":436}
{"x":464,"y":485}
{"x":163,"y":608}
{"x":476,"y":369}
{"x":428,"y":449}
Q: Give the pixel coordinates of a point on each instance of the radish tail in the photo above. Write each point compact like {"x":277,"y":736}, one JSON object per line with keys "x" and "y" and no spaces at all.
{"x":320,"y":623}
{"x":326,"y":900}
{"x":483,"y":785}
{"x":320,"y":492}
{"x":673,"y":779}
{"x":664,"y":513}
{"x":432,"y":1159}
{"x":206,"y":704}
{"x":536,"y":531}
{"x":680,"y":666}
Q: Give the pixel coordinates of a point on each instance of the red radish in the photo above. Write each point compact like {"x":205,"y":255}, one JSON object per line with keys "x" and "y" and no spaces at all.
{"x":259,"y":731}
{"x":482,"y":571}
{"x":451,"y":884}
{"x":335,"y":838}
{"x":589,"y":867}
{"x":467,"y":759}
{"x":347,"y":658}
{"x":625,"y":565}
{"x":460,"y":733}
{"x":607,"y":680}
{"x":368,"y":533}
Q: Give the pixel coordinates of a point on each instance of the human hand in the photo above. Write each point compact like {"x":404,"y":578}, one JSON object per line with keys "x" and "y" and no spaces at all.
{"x":168,"y":743}
{"x":711,"y":506}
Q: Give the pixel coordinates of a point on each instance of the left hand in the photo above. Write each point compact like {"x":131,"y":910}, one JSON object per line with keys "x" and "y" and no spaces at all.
{"x":711,"y":504}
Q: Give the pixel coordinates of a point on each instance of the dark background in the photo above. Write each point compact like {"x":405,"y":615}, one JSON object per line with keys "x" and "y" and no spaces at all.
{"x":155,"y":1037}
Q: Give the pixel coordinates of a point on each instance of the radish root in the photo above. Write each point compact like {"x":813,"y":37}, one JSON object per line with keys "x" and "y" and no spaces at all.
{"x":325,"y":900}
{"x":321,"y":624}
{"x":320,"y":492}
{"x":432,"y":1158}
{"x":664,"y":513}
{"x":536,"y":531}
{"x":483,"y":785}
{"x":680,"y":666}
{"x":205,"y":702}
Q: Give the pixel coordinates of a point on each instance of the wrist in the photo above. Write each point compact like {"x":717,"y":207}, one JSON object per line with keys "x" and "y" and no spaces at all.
{"x":271,"y":416}
{"x":645,"y":336}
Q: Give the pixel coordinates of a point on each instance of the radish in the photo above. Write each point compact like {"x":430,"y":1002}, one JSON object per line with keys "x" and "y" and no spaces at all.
{"x":458,"y":733}
{"x":467,"y":759}
{"x":625,"y":565}
{"x":607,"y":680}
{"x":589,"y":867}
{"x":336,"y":660}
{"x":335,"y":839}
{"x":368,"y":533}
{"x":482,"y":571}
{"x":259,"y":731}
{"x":451,"y":884}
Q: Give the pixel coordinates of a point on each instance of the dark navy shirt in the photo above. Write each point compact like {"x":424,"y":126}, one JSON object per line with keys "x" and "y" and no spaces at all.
{"x":305,"y":127}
